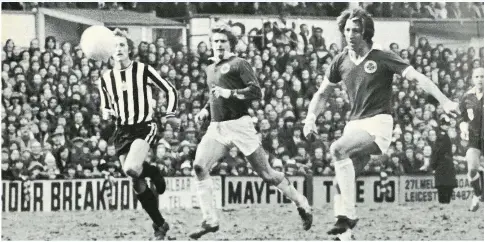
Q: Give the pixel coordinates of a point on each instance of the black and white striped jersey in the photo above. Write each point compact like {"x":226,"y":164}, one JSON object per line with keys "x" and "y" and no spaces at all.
{"x":128,"y":95}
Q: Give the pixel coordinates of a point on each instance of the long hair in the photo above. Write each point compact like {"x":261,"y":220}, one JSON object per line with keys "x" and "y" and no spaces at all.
{"x":131,"y":44}
{"x":225,"y":29}
{"x":362,"y":17}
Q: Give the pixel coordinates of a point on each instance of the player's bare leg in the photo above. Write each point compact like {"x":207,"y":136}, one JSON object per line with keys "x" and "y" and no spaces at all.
{"x":357,"y":142}
{"x":208,"y":152}
{"x":259,"y":161}
{"x":134,"y":166}
{"x":473,"y":159}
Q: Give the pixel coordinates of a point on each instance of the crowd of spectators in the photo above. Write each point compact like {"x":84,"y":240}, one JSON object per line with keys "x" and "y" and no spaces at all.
{"x":51,"y":127}
{"x":428,"y":10}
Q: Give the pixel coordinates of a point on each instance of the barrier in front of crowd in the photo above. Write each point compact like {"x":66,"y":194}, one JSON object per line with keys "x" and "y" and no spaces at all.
{"x":240,"y":191}
{"x":368,"y":190}
{"x":400,"y":189}
{"x":230,"y":192}
{"x":94,"y":194}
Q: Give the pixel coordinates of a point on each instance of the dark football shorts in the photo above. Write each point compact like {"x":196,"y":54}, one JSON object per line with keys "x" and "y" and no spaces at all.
{"x":475,"y":140}
{"x":124,"y":136}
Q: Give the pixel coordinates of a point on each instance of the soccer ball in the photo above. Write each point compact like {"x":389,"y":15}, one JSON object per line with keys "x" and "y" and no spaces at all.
{"x":98,"y":43}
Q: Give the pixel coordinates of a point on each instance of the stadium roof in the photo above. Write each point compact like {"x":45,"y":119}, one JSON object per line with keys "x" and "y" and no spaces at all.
{"x":109,"y":17}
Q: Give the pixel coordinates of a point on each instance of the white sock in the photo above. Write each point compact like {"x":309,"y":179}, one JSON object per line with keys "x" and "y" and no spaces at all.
{"x":204,"y":194}
{"x":290,"y":192}
{"x":337,"y":207}
{"x":345,"y":175}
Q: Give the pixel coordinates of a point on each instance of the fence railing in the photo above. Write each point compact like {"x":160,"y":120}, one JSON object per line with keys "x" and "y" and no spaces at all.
{"x":230,"y":191}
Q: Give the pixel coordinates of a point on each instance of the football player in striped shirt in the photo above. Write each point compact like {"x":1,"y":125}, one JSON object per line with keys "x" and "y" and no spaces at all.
{"x":471,"y":128}
{"x":233,"y":86}
{"x":126,"y":93}
{"x":367,"y":72}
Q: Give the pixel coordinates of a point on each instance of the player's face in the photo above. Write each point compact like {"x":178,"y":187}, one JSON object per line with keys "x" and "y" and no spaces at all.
{"x":122,"y":49}
{"x":353,"y":34}
{"x":220,"y":44}
{"x":477,"y":78}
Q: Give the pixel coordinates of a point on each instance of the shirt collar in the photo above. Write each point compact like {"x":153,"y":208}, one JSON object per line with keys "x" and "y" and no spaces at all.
{"x":227,"y":55}
{"x":356,"y":60}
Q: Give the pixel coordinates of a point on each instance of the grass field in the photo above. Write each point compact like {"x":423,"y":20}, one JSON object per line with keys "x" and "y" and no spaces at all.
{"x":275,"y":222}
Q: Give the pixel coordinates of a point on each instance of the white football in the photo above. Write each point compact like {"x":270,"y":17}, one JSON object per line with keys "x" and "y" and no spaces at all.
{"x":98,"y":43}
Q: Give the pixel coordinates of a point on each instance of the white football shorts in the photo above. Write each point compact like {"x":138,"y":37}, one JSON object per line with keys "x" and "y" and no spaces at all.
{"x":380,"y":126}
{"x":239,"y":132}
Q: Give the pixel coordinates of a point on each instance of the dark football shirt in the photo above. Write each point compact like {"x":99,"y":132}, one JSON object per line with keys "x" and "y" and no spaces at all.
{"x":471,"y":109}
{"x":232,"y":73}
{"x":368,"y":83}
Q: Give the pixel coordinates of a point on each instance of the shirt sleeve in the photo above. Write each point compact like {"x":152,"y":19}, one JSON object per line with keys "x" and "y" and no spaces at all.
{"x":105,"y":106}
{"x":252,"y":89}
{"x":333,"y":73}
{"x":395,"y":63}
{"x":465,"y":106}
{"x":167,"y":87}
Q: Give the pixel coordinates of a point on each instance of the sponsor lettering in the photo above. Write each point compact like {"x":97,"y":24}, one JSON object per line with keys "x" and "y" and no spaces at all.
{"x":253,"y":190}
{"x":368,"y":190}
{"x":93,"y":194}
{"x":422,"y":189}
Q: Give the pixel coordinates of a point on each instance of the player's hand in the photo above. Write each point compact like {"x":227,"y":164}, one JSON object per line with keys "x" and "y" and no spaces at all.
{"x":310,"y":128}
{"x":220,"y":92}
{"x":451,"y":108}
{"x":174,"y":122}
{"x":202,"y":116}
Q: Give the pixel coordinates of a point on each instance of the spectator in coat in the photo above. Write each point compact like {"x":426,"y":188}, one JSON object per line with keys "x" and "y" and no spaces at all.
{"x":442,"y":163}
{"x":55,"y":99}
{"x":317,"y":39}
{"x":7,"y":173}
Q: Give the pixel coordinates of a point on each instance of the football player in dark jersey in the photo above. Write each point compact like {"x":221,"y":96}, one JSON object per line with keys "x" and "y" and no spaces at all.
{"x":471,"y":107}
{"x":233,"y":86}
{"x":367,"y":73}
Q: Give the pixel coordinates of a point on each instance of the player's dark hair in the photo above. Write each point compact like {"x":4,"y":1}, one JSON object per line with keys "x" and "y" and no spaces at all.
{"x":131,"y":44}
{"x":225,"y":29}
{"x":362,"y":17}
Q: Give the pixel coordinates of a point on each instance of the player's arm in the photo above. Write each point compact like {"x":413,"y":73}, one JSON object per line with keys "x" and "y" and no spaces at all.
{"x":251,"y":91}
{"x":105,"y":106}
{"x":466,"y":109}
{"x":396,"y":64}
{"x":318,"y":100}
{"x":168,"y":88}
{"x":426,"y":84}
